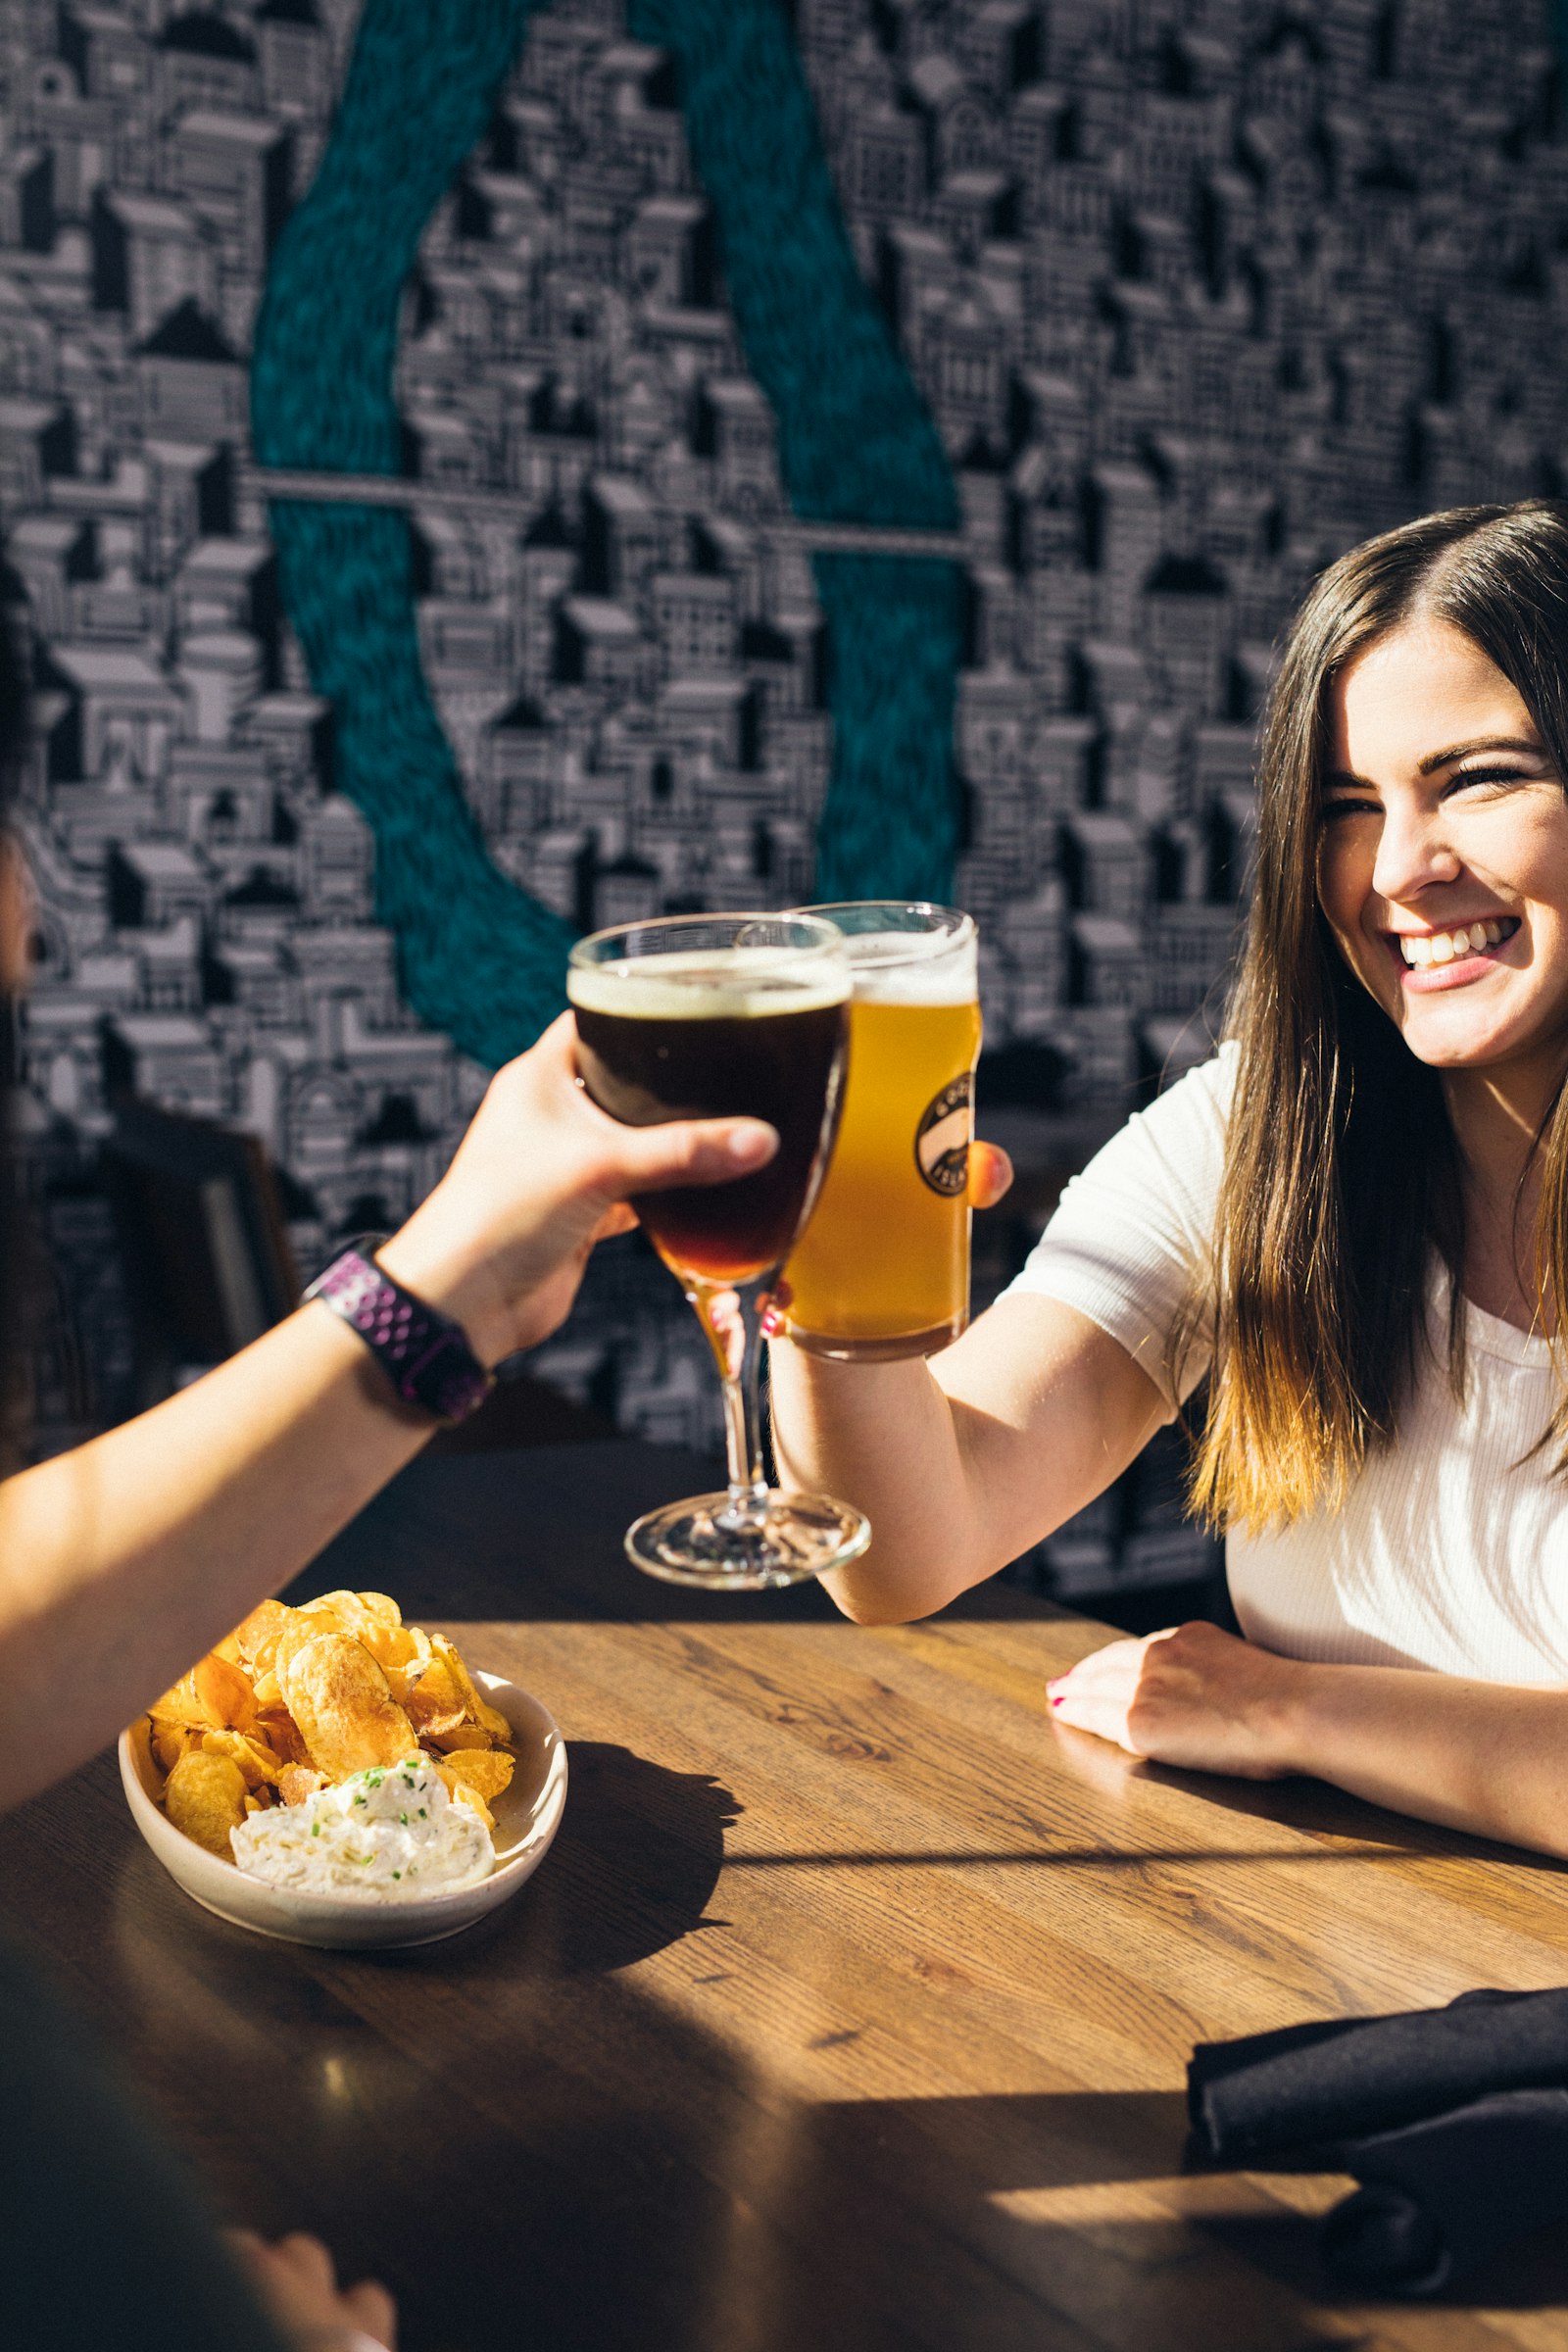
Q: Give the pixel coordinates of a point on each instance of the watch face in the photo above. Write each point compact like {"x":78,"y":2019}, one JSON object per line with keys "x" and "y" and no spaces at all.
{"x":447,"y":1379}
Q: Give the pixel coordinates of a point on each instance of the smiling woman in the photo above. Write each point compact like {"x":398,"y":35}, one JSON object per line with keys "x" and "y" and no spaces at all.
{"x":1353,"y":1222}
{"x":1409,"y":789}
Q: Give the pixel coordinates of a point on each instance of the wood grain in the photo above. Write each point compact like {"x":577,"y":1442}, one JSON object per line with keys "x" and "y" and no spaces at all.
{"x":850,"y":2010}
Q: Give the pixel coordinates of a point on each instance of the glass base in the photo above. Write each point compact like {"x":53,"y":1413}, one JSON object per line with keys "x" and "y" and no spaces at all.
{"x":711,"y":1542}
{"x":885,"y":1349}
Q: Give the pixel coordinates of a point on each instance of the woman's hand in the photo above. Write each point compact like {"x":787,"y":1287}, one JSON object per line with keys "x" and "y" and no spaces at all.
{"x":541,"y":1175}
{"x":990,"y":1175}
{"x":1191,"y":1695}
{"x":296,"y":2281}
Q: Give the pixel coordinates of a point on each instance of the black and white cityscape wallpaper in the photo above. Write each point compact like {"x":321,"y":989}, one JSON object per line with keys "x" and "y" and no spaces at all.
{"x":1197,"y":292}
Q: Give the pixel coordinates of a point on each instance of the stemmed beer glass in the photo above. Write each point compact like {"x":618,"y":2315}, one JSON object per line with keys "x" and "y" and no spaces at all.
{"x":722,"y":1016}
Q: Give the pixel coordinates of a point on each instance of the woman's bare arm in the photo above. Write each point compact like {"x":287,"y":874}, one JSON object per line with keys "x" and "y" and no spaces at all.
{"x":122,"y":1563}
{"x":962,"y":1463}
{"x":1488,"y":1757}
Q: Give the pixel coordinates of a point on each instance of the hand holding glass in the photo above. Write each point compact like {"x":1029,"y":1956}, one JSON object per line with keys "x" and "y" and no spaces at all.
{"x":719,"y":1016}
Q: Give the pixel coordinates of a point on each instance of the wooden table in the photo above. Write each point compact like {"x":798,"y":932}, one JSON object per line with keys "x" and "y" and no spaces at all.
{"x":849,"y":2010}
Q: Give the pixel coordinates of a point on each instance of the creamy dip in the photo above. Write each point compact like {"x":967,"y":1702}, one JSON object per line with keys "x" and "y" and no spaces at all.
{"x":390,"y":1835}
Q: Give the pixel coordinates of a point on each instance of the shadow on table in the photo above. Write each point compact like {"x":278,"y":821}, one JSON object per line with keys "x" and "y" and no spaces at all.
{"x":535,"y":2148}
{"x":1205,"y":2275}
{"x":634,"y":1862}
{"x":1531,"y":2275}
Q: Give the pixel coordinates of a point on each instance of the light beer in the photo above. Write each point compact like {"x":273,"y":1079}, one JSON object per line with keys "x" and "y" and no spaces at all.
{"x":882,"y":1270}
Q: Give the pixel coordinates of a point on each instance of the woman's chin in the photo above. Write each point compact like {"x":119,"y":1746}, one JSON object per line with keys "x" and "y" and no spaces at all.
{"x":1445,"y":1037}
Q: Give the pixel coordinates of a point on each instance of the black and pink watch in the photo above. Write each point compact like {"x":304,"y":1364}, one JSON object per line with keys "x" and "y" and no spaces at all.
{"x":425,"y":1354}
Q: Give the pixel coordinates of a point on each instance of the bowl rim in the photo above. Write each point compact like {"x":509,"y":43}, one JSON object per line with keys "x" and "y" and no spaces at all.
{"x":181,"y":1855}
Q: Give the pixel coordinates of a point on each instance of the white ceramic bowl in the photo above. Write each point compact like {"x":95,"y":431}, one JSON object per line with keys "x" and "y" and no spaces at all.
{"x":526,"y":1813}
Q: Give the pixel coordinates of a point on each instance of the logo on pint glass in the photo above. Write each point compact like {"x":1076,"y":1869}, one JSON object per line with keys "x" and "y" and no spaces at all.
{"x":942,"y":1139}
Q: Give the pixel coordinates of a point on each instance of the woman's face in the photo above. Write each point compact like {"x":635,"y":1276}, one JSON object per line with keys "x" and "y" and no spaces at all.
{"x":1443,"y":858}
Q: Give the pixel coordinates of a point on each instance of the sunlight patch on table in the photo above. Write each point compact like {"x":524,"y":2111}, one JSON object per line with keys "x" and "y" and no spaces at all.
{"x":1175,"y":2196}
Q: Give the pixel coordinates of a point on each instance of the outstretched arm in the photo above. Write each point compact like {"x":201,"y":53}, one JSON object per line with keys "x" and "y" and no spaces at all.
{"x":962,"y":1463}
{"x":122,"y":1561}
{"x":1488,"y":1757}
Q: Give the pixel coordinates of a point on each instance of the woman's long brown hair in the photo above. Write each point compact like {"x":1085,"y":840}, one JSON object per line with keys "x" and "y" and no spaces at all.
{"x":1341,"y":1172}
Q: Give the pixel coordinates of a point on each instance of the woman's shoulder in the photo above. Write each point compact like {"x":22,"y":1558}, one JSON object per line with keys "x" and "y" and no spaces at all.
{"x":1179,"y":1139}
{"x":1136,"y":1226}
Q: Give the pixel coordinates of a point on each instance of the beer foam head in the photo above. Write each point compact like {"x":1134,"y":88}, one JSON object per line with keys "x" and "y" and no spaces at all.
{"x":914,"y":967}
{"x":709,"y":984}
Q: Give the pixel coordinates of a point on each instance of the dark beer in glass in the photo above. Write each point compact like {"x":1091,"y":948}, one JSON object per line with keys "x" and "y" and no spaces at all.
{"x":776,"y":1057}
{"x":723,"y":1016}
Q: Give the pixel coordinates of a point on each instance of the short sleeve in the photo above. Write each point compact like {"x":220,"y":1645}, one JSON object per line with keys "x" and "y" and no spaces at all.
{"x":1131,"y":1232}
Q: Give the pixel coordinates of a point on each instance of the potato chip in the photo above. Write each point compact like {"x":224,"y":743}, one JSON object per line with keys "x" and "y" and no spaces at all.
{"x":372,"y":1618}
{"x":478,"y":1707}
{"x":278,"y":1727}
{"x":258,"y":1800}
{"x":214,"y":1695}
{"x":460,"y":1794}
{"x":297,"y":1782}
{"x":339,"y":1698}
{"x":462,"y":1735}
{"x":437,"y":1701}
{"x":168,"y":1741}
{"x":302,"y":1628}
{"x":205,"y":1796}
{"x":224,"y":1688}
{"x":256,"y":1758}
{"x":266,"y":1690}
{"x":488,"y":1771}
{"x":402,"y":1654}
{"x":180,"y":1704}
{"x":259,"y":1632}
{"x":379,"y":1605}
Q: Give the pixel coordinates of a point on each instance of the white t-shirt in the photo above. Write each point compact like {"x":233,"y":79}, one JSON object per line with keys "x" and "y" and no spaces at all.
{"x":1451,"y":1549}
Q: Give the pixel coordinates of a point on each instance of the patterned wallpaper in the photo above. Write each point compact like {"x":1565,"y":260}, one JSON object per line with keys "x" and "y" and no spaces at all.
{"x":1195,"y":293}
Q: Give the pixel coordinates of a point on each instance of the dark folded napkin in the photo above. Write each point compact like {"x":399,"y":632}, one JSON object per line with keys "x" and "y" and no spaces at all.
{"x":1355,"y":2076}
{"x":1437,"y":2197}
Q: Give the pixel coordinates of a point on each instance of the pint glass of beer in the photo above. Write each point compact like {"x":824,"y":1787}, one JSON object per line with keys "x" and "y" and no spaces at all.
{"x":722,"y":1016}
{"x":883,"y":1268}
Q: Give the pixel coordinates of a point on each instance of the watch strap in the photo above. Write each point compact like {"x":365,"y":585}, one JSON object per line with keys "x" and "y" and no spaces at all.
{"x":425,"y":1354}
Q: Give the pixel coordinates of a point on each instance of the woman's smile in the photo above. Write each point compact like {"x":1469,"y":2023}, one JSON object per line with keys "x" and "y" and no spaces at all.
{"x":1454,"y":956}
{"x":1442,"y":857}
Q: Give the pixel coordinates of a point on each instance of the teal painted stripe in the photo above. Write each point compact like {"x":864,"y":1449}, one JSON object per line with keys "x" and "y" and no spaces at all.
{"x":856,"y":442}
{"x":476,"y":956}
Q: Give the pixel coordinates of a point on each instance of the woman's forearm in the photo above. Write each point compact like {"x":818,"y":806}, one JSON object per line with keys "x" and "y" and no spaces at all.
{"x":881,"y":1436}
{"x":1487,"y":1757}
{"x":961,"y":1465}
{"x":129,"y":1558}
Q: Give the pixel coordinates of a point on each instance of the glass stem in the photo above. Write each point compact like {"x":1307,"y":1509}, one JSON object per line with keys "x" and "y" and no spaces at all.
{"x":732,"y":1319}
